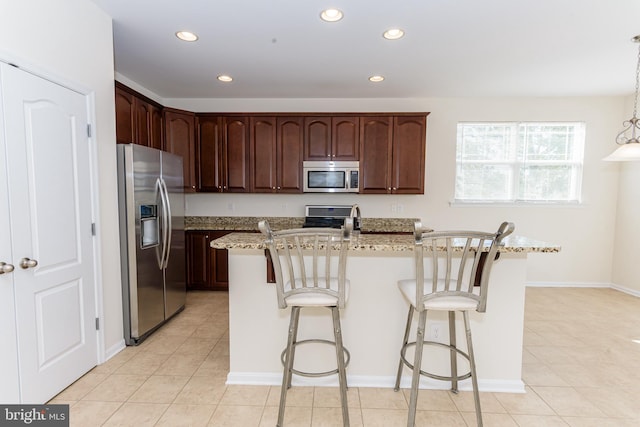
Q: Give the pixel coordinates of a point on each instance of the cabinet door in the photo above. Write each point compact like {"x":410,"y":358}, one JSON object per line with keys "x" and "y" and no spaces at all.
{"x":317,"y":138}
{"x":180,"y":140}
{"x":198,"y":262}
{"x":345,"y":138}
{"x":143,"y":122}
{"x":263,"y":154}
{"x":210,"y":148}
{"x":125,"y":117}
{"x":376,"y":135}
{"x":236,"y":154}
{"x":290,"y":134}
{"x":156,"y":128}
{"x":219,"y":262}
{"x":407,"y":176}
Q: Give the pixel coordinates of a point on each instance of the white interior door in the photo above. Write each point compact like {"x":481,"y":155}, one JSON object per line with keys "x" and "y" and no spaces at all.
{"x":48,"y":169}
{"x":9,"y":386}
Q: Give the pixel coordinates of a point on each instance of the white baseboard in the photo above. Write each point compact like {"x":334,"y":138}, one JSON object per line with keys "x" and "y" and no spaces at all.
{"x":114,"y":349}
{"x":634,"y":292}
{"x":620,"y":288}
{"x":567,"y":285}
{"x":260,"y":378}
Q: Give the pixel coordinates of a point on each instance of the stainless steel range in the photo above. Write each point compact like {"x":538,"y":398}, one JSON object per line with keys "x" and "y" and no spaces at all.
{"x":331,"y":215}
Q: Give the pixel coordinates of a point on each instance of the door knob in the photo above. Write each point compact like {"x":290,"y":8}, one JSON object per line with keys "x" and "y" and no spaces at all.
{"x":5,"y":268}
{"x":28,"y":263}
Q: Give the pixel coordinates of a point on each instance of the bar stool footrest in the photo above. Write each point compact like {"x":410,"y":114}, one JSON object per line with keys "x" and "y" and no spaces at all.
{"x":429,"y":374}
{"x":317,"y":374}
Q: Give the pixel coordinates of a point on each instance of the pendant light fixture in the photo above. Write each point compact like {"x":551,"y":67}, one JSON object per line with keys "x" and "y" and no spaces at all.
{"x":629,"y":138}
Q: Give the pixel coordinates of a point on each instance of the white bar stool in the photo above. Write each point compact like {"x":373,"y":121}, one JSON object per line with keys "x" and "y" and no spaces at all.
{"x":315,"y":280}
{"x":452,"y":286}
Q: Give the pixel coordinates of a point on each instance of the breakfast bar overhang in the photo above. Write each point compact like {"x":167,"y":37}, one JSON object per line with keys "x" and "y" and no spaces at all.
{"x":374,"y":318}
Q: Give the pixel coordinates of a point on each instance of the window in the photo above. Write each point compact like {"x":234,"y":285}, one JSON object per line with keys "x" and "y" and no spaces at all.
{"x":519,"y":162}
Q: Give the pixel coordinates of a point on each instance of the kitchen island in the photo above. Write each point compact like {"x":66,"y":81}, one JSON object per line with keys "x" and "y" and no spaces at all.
{"x":374,"y":318}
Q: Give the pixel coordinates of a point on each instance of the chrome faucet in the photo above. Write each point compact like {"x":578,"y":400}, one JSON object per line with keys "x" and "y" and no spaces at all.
{"x":357,"y":219}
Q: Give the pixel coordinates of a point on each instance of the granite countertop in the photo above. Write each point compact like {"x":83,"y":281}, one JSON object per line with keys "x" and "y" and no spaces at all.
{"x":245,"y":223}
{"x":382,"y":242}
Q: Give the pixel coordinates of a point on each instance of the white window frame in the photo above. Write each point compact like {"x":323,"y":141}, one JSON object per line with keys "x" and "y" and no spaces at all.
{"x":576,"y":163}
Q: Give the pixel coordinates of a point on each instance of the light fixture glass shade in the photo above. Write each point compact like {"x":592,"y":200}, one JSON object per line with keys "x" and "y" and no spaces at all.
{"x":628,"y":139}
{"x":625,"y":153}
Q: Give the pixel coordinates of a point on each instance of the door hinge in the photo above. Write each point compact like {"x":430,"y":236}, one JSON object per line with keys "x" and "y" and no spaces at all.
{"x":97,"y":324}
{"x":89,"y":131}
{"x":93,"y":228}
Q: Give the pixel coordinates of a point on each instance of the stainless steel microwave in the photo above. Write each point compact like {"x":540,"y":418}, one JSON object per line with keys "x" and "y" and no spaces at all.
{"x":331,"y":176}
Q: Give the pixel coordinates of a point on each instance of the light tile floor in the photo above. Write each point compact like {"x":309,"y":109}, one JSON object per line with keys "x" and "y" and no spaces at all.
{"x":580,"y":365}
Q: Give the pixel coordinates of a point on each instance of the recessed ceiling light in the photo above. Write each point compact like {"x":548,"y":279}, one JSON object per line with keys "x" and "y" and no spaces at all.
{"x":225,"y":78}
{"x":376,"y":79}
{"x":393,"y":34}
{"x":331,"y":15}
{"x":186,"y":36}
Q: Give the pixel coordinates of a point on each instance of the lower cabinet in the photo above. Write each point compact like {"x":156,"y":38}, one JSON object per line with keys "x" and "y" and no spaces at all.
{"x":207,"y":268}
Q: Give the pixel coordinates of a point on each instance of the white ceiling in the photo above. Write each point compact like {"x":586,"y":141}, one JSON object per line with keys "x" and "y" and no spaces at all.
{"x":281,"y":48}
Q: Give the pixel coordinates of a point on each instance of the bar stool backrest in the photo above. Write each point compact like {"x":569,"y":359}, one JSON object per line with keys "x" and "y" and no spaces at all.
{"x":309,"y":260}
{"x":457,"y":263}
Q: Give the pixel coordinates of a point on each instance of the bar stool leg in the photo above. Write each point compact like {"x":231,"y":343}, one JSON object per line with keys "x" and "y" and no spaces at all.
{"x":472,"y":363}
{"x":404,"y":343}
{"x":453,"y":352}
{"x":342,"y":374}
{"x":295,"y":319}
{"x":415,"y":381}
{"x":288,"y":362}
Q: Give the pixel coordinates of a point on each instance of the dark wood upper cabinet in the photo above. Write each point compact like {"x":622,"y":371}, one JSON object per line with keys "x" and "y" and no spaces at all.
{"x":223,"y":153}
{"x":331,"y":138}
{"x":263,"y":154}
{"x":276,"y":154}
{"x":376,"y":138}
{"x":156,"y":128}
{"x":138,"y":119}
{"x":143,"y":123}
{"x":317,"y":138}
{"x":409,"y":147}
{"x":237,"y":154}
{"x":209,"y":153}
{"x":393,"y":154}
{"x":179,"y":138}
{"x":125,"y":117}
{"x":290,"y":136}
{"x":345,"y":138}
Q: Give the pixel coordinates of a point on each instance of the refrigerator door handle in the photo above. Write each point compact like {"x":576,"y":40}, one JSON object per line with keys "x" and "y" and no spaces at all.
{"x":169,"y":223}
{"x":163,"y":222}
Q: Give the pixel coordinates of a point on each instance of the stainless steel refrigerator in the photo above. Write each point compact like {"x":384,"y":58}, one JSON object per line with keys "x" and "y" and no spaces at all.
{"x":152,"y":241}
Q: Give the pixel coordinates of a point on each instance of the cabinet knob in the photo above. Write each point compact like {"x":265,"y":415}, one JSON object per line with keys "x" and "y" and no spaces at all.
{"x":389,"y":189}
{"x":394,"y":188}
{"x":273,"y":188}
{"x":279,"y":188}
{"x":193,"y":186}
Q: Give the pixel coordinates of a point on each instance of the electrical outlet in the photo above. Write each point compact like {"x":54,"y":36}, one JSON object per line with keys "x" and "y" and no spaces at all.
{"x":231,"y":206}
{"x":437,"y":331}
{"x":400,"y":208}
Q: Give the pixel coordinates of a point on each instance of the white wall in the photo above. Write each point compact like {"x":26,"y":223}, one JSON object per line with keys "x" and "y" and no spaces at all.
{"x":585,"y":231}
{"x":71,"y":41}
